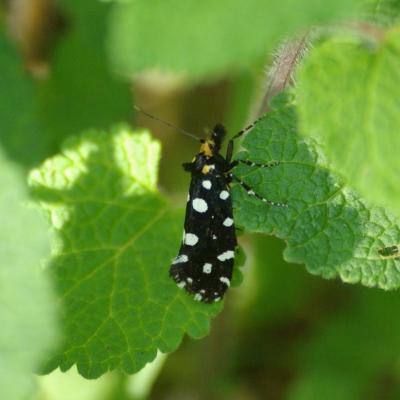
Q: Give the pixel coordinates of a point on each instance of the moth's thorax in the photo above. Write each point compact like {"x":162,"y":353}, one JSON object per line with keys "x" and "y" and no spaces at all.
{"x":212,"y":145}
{"x":205,"y":165}
{"x":207,"y":148}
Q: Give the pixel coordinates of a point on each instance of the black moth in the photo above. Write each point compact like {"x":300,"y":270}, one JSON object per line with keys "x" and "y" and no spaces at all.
{"x":205,"y":261}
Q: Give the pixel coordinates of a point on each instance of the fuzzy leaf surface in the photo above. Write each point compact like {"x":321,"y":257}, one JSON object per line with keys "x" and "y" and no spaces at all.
{"x":326,"y":226}
{"x":118,"y":236}
{"x":382,"y":12}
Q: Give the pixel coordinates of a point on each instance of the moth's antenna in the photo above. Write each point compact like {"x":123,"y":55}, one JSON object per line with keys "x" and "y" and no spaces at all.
{"x":167,"y":123}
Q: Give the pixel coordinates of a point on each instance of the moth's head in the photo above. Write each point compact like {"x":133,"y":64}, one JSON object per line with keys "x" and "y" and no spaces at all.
{"x":212,"y":145}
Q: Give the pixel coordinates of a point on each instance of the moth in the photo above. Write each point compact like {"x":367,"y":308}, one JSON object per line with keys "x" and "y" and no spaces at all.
{"x":204,"y":264}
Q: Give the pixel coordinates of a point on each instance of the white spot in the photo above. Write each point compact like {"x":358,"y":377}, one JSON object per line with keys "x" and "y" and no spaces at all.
{"x":264,"y":200}
{"x":214,"y":237}
{"x":228,"y":222}
{"x":217,"y":299}
{"x":191,"y":239}
{"x":183,"y":236}
{"x":251,"y":192}
{"x":198,"y":297}
{"x":211,"y":167}
{"x":206,"y":184}
{"x":189,"y":280}
{"x":224,"y":195}
{"x":227,"y":255}
{"x":202,"y":291}
{"x":200,"y":205}
{"x":207,"y":267}
{"x":181,"y":284}
{"x":188,"y":197}
{"x":181,"y":259}
{"x":225,"y":280}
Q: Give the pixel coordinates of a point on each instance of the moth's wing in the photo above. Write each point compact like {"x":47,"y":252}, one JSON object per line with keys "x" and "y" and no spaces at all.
{"x":205,"y":261}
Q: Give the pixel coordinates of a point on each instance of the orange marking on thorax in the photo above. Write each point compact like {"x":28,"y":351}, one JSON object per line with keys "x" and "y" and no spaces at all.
{"x":206,"y":148}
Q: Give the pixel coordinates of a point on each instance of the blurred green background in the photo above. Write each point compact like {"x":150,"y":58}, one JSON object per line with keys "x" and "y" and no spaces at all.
{"x":71,"y":65}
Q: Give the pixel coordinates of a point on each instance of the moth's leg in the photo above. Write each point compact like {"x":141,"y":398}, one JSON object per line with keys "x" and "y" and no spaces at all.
{"x":251,"y":192}
{"x":188,"y":167}
{"x":229,"y":153}
{"x":248,"y":127}
{"x":229,"y":149}
{"x":250,"y":163}
{"x":260,"y":165}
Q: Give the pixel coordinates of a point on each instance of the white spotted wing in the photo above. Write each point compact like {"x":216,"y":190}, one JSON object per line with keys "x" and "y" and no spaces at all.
{"x":205,"y":261}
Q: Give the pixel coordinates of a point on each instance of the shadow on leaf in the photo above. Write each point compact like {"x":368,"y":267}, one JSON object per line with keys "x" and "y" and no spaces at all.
{"x":327,"y":227}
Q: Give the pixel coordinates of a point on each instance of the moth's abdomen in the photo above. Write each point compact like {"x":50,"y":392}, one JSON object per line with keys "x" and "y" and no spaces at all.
{"x":207,"y":280}
{"x":205,"y":261}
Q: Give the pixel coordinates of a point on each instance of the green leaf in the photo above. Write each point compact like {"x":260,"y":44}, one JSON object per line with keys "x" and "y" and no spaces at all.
{"x":382,"y":12}
{"x":348,"y":96}
{"x":27,"y":310}
{"x":208,"y":38}
{"x":326,"y":226}
{"x":110,"y":267}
